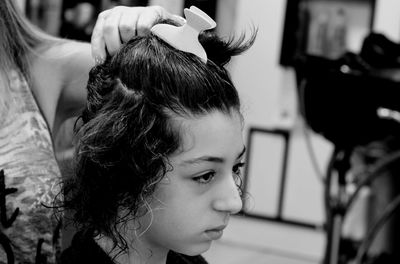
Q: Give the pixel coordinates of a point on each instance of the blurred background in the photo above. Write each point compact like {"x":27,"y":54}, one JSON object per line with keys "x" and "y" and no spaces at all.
{"x":319,"y":92}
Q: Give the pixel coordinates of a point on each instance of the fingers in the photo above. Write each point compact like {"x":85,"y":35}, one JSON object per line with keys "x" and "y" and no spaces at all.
{"x":119,"y":24}
{"x":151,"y":16}
{"x":127,"y":25}
{"x":111,"y":32}
{"x":97,"y":41}
{"x":146,"y":20}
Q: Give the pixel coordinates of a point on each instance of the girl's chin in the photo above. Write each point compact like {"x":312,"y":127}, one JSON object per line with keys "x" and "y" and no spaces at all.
{"x":196,"y":250}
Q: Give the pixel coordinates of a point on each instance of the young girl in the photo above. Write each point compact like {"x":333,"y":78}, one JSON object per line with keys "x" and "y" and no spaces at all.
{"x":159,"y":154}
{"x":42,"y":83}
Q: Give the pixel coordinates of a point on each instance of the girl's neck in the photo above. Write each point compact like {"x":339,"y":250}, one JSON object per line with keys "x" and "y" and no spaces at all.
{"x":137,"y":253}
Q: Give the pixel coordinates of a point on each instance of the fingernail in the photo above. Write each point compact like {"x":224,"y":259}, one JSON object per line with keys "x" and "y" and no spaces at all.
{"x":181,"y":19}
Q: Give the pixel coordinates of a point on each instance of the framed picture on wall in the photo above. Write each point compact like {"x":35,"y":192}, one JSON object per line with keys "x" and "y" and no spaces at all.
{"x":326,"y":28}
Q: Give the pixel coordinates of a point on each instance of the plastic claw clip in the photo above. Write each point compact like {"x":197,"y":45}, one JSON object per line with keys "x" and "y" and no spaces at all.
{"x":186,"y":37}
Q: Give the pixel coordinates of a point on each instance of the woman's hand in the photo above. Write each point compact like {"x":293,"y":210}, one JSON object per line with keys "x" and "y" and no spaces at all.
{"x":119,"y":24}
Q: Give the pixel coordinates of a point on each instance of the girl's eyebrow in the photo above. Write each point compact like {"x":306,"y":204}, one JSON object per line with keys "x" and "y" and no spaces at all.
{"x":211,"y":158}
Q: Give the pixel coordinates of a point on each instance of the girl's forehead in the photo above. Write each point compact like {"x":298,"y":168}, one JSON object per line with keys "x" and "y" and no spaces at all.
{"x":216,"y":133}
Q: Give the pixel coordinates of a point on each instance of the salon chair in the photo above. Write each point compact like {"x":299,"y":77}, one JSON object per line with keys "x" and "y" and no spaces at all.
{"x":351,"y":101}
{"x":343,"y":101}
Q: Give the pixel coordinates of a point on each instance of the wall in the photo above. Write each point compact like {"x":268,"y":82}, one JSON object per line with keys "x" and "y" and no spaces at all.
{"x":387,"y":18}
{"x":269,"y":97}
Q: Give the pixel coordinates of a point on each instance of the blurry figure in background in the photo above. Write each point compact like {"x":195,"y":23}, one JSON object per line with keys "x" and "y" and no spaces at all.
{"x":45,"y":14}
{"x":79,"y":19}
{"x":42,"y":83}
{"x":160,"y":150}
{"x":79,"y":16}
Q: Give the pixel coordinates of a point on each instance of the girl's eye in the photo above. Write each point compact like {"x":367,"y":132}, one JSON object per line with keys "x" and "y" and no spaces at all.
{"x":237,"y":169}
{"x":205,"y":178}
{"x":237,"y":175}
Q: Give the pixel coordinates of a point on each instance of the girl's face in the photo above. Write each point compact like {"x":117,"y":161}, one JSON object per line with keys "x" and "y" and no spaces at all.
{"x":192,"y":204}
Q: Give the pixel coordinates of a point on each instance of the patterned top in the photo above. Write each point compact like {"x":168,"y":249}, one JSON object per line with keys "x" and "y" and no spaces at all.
{"x":29,"y":177}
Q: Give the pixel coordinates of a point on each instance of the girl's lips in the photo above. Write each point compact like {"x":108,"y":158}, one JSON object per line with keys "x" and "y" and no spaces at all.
{"x":214,"y":234}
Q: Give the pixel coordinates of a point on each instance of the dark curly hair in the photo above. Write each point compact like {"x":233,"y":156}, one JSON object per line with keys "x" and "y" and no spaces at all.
{"x":126,"y":133}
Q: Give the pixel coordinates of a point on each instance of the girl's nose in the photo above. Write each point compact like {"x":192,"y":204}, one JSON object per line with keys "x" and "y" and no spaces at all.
{"x":228,"y":197}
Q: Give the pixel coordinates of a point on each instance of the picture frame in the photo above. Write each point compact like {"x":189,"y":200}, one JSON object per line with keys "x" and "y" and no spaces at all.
{"x":325,"y":28}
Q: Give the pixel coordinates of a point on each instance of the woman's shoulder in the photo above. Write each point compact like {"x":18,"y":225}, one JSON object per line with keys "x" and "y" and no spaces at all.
{"x":62,"y":63}
{"x":59,"y":73}
{"x":63,"y":56}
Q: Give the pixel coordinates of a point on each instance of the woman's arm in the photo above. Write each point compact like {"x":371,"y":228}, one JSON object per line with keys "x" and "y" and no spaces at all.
{"x":61,"y":72}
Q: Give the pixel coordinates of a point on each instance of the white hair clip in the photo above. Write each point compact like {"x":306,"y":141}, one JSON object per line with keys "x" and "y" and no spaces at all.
{"x":186,"y":37}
